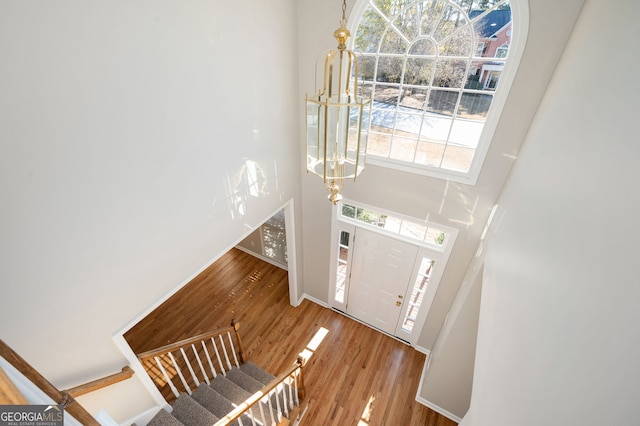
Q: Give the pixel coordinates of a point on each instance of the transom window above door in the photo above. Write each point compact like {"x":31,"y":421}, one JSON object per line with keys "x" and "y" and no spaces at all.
{"x":425,"y":234}
{"x":433,"y":69}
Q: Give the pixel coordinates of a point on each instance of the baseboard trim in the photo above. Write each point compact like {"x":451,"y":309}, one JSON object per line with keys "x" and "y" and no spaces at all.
{"x":423,"y":350}
{"x":438,"y":409}
{"x":314,"y":300}
{"x":262,"y":257}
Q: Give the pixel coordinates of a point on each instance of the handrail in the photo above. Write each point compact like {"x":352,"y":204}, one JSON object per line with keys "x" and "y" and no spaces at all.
{"x":235,"y":326}
{"x":256,"y":397}
{"x":60,"y":397}
{"x":126,"y":373}
{"x":182,"y":366}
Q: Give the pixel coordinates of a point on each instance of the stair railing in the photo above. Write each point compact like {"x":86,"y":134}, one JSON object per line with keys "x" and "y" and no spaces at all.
{"x":126,"y":373}
{"x":183,"y":366}
{"x":287,"y":390}
{"x":59,"y":397}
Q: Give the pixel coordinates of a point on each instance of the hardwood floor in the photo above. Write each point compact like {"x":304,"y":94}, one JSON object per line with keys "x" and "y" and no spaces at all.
{"x":356,"y":376}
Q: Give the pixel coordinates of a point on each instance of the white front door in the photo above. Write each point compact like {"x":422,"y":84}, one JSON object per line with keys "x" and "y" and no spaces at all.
{"x":381,"y":271}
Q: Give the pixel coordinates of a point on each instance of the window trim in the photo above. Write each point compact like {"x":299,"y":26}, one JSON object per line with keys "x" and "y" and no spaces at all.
{"x":520,"y":31}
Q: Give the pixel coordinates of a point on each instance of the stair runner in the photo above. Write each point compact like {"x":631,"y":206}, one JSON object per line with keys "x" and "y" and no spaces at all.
{"x":209,"y":403}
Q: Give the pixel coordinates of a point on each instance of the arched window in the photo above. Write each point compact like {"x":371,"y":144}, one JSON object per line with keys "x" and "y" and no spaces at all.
{"x":432,"y":68}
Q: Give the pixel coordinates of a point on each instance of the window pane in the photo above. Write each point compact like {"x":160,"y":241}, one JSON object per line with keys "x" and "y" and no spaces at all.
{"x":413,"y":230}
{"x":442,"y":102}
{"x":450,"y":73}
{"x":403,"y":149}
{"x":407,"y":22}
{"x":417,"y":294}
{"x":389,"y":69}
{"x":378,"y":143}
{"x":392,"y":224}
{"x":386,"y":97}
{"x":457,"y":158}
{"x":435,"y":128}
{"x":367,"y":216}
{"x":407,"y":124}
{"x":418,"y":71}
{"x":459,"y":43}
{"x":341,"y":269}
{"x":466,"y":133}
{"x":474,"y":106}
{"x":369,"y":31}
{"x":429,"y":152}
{"x":393,"y":43}
{"x":348,"y":211}
{"x":435,"y":236}
{"x":414,"y":98}
{"x":423,"y":47}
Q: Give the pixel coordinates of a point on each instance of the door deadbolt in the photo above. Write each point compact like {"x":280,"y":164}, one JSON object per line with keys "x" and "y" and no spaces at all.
{"x":398,"y":303}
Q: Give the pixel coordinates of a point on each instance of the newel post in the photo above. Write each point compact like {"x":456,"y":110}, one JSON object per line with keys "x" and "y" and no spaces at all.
{"x":301,"y":361}
{"x":236,"y":326}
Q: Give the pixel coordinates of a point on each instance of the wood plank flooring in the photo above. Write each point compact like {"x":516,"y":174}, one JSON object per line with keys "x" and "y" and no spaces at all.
{"x":356,"y":376}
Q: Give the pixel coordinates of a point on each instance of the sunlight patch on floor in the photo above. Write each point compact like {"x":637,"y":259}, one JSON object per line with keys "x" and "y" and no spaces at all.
{"x":366,"y":414}
{"x":313,"y":344}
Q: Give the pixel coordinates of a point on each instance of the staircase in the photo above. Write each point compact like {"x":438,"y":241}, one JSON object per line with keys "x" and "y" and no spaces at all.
{"x":210,"y":403}
{"x":209,"y":382}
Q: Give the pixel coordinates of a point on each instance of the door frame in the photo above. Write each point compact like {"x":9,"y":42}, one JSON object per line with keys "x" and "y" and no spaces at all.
{"x":338,"y":224}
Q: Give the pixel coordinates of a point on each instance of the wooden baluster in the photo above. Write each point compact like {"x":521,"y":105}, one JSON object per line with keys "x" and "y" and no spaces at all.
{"x":277,"y":394}
{"x":193,"y":374}
{"x":204,"y":373}
{"x":215,"y":347}
{"x":233,"y":350}
{"x":179,"y":371}
{"x":224,"y":350}
{"x":262,"y":418}
{"x":166,"y":377}
{"x":206,"y":351}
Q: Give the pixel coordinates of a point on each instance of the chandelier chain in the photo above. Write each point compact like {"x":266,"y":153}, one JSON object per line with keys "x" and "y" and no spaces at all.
{"x":343,"y":21}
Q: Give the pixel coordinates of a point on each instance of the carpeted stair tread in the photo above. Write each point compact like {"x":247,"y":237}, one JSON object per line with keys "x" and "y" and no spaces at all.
{"x":190,"y":413}
{"x":257,"y":373}
{"x":244,"y":380}
{"x":252,"y":386}
{"x":229,"y":390}
{"x":216,"y":403}
{"x":164,"y":418}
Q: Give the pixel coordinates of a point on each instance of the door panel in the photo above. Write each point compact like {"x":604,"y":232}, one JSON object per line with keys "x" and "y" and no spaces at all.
{"x":380,"y":273}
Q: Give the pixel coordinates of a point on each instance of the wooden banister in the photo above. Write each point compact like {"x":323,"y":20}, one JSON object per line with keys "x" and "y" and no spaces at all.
{"x":103,"y":382}
{"x":184,"y":343}
{"x":182,"y":366}
{"x":256,"y":397}
{"x":59,"y":397}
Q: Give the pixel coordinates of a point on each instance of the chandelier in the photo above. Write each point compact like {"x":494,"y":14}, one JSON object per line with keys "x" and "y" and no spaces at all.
{"x":337,"y":117}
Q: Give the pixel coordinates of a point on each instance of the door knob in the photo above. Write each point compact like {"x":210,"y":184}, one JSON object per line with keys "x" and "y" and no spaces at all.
{"x":399,"y":296}
{"x":398,"y":303}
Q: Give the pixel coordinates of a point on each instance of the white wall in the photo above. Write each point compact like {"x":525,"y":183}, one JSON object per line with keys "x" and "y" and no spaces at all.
{"x":447,"y":386}
{"x":446,"y":381}
{"x":558,"y":340}
{"x":126,"y":129}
